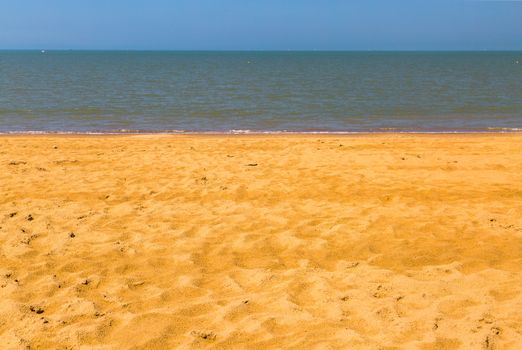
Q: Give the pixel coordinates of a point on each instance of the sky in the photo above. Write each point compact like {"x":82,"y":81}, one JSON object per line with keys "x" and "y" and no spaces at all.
{"x":261,"y":24}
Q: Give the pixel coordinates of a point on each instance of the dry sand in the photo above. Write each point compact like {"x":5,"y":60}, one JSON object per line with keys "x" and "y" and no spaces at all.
{"x":253,"y":242}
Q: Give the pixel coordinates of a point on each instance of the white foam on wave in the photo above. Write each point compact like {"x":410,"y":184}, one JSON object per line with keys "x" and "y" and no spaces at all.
{"x":262,"y":132}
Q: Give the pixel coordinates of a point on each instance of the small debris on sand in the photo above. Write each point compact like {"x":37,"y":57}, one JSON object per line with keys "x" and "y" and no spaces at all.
{"x":210,"y":336}
{"x":37,"y":309}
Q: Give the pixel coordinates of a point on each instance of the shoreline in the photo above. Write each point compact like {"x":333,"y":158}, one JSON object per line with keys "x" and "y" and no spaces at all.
{"x":514,"y":131}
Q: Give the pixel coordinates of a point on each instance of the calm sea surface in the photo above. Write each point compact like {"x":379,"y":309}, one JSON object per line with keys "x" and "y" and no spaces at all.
{"x":259,"y":91}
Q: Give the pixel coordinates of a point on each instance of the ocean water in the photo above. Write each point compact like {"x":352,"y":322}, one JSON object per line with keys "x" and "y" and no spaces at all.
{"x":94,"y":91}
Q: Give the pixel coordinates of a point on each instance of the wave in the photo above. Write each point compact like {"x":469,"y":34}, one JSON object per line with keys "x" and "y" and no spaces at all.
{"x":266,"y":132}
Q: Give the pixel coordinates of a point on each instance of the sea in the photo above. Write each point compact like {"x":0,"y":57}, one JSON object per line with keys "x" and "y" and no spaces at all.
{"x":259,"y":92}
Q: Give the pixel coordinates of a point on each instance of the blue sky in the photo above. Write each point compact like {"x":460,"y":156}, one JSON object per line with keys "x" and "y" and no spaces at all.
{"x":261,"y":24}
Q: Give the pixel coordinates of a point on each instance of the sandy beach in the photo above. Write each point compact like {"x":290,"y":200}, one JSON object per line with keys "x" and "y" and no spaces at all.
{"x":251,"y":242}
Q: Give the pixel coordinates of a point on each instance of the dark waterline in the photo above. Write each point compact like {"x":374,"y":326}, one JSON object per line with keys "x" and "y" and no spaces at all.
{"x":140,"y":91}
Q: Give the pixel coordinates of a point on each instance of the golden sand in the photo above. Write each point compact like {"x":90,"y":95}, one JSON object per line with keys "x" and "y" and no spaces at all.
{"x":253,"y":242}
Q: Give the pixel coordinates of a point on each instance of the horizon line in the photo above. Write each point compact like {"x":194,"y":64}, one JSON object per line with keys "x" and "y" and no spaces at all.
{"x":265,"y":50}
